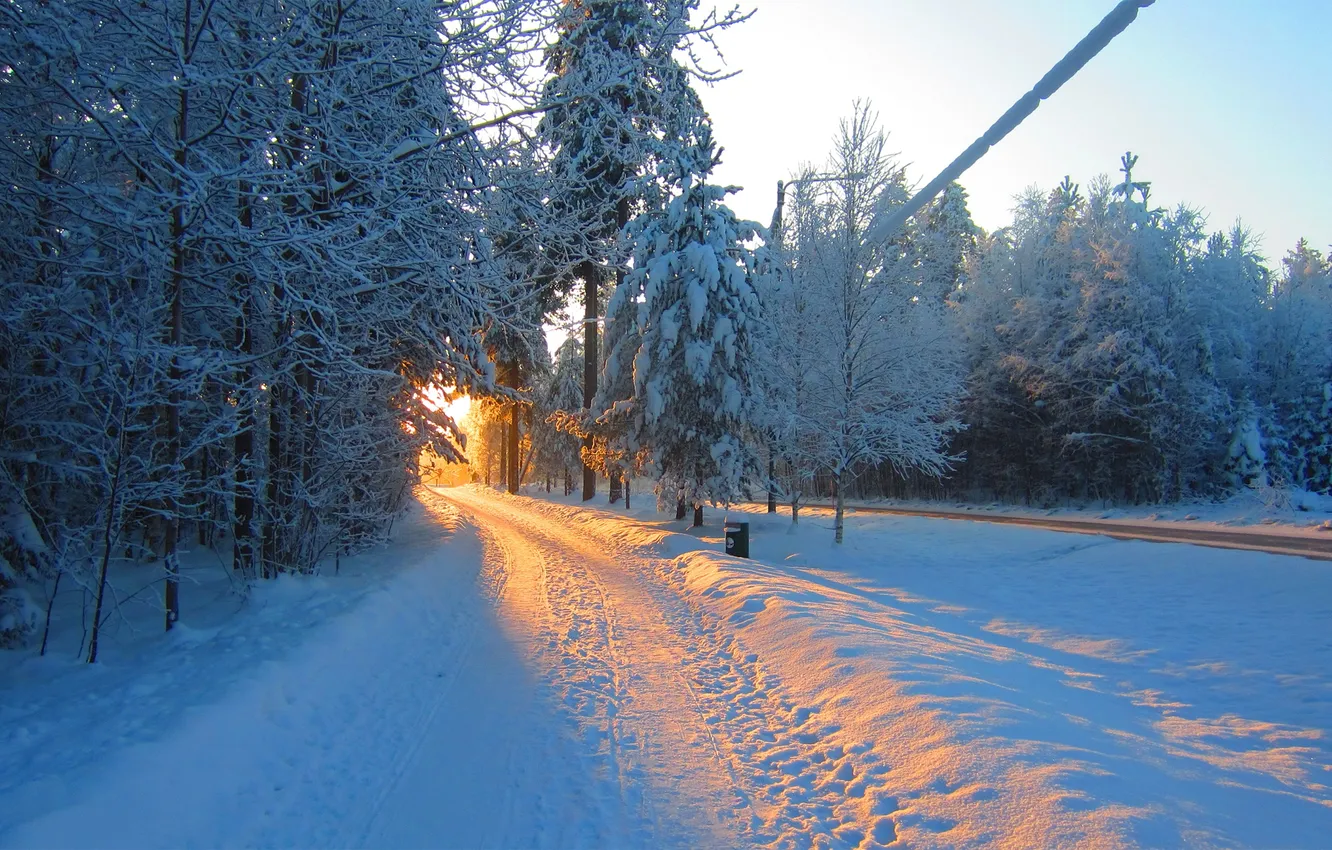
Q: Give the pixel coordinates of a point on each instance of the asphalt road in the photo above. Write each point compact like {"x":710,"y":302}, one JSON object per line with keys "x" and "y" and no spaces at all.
{"x":1259,"y":539}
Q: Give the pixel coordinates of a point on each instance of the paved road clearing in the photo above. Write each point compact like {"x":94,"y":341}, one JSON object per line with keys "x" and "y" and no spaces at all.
{"x":1316,"y":544}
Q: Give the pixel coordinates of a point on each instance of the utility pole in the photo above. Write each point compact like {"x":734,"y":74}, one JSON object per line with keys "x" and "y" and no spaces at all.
{"x":1094,"y":42}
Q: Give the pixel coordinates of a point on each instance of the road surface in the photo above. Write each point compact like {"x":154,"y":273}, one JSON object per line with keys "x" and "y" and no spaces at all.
{"x":692,"y":748}
{"x":727,"y":703}
{"x":1316,"y":544}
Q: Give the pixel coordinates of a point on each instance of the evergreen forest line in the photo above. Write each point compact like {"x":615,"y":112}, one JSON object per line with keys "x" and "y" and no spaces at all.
{"x":250,"y":243}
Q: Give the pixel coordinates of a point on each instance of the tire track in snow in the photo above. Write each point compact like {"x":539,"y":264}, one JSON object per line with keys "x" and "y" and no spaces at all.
{"x":612,"y":665}
{"x":493,"y":768}
{"x":792,"y":782}
{"x":491,"y":582}
{"x":813,"y":788}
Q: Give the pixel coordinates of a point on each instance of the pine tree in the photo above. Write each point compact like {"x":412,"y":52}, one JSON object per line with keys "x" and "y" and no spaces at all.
{"x":1295,"y":363}
{"x":556,"y":450}
{"x":692,"y":284}
{"x":619,"y":102}
{"x":944,"y":239}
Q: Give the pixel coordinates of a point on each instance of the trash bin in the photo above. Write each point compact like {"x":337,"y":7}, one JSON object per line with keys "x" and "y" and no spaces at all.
{"x":737,"y":539}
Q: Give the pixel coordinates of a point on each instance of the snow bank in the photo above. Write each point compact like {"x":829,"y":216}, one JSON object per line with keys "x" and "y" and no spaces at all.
{"x":283,"y":725}
{"x":967,"y":684}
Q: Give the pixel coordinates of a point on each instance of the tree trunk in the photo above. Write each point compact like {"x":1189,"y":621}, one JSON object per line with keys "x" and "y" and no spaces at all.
{"x":50,"y":603}
{"x":242,"y":533}
{"x":841,"y":509}
{"x":108,"y":530}
{"x":795,"y":509}
{"x":513,"y":475}
{"x":626,"y":492}
{"x":680,"y":509}
{"x":698,"y":516}
{"x":273,"y":513}
{"x":504,"y":454}
{"x":772,"y":481}
{"x":591,"y":281}
{"x":283,"y":447}
{"x":616,"y":488}
{"x":171,"y":559}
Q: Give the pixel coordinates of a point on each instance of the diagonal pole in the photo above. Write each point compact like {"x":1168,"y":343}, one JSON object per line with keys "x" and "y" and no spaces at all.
{"x":1095,"y":41}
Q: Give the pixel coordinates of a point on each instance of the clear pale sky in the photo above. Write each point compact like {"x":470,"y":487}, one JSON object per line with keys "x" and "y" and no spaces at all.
{"x":1225,"y":102}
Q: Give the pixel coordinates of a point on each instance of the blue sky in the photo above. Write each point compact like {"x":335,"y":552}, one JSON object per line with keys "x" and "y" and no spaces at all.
{"x":1225,"y":102}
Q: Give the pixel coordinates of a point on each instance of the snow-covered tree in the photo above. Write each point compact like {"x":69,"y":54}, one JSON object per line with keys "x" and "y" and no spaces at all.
{"x":944,"y":238}
{"x":557,"y":452}
{"x":696,"y":311}
{"x":1295,"y":363}
{"x":1115,"y":354}
{"x":245,"y":238}
{"x":885,"y":376}
{"x":619,"y":101}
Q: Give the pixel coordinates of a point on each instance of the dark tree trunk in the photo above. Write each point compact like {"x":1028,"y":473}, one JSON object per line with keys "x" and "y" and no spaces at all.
{"x":504,"y":454}
{"x":839,"y":515}
{"x":626,"y":492}
{"x":591,"y":282}
{"x":512,"y":474}
{"x":171,"y":558}
{"x":242,"y":533}
{"x":698,"y":516}
{"x":50,"y":603}
{"x":680,"y":509}
{"x":273,"y":512}
{"x":616,"y":488}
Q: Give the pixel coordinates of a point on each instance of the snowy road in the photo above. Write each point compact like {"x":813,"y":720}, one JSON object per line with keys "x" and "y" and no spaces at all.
{"x":609,"y":663}
{"x":738,"y":703}
{"x":514,"y":672}
{"x":695,"y":747}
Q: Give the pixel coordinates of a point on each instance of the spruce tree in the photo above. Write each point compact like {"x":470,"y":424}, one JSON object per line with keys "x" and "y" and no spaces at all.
{"x":697,"y":311}
{"x":619,"y":102}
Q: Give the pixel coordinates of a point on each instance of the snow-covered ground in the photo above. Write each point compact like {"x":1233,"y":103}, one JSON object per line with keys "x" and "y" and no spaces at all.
{"x":521,"y":672}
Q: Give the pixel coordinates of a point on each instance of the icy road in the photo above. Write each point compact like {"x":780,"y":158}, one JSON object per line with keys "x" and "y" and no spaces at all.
{"x":532,"y":674}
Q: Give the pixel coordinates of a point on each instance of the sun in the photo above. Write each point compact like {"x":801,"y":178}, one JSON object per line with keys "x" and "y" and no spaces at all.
{"x":457,"y":409}
{"x":438,"y":398}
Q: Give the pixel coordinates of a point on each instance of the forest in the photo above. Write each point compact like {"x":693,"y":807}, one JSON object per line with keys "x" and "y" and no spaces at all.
{"x":251,"y":246}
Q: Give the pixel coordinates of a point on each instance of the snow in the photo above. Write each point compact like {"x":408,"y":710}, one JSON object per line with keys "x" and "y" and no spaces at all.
{"x":19,"y":526}
{"x":521,"y":672}
{"x":1044,"y":689}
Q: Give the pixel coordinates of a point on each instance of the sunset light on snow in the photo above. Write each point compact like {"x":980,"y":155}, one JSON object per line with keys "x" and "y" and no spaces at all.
{"x":896,"y":424}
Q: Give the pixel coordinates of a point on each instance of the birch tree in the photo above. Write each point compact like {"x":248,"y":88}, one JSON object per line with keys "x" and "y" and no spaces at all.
{"x":886,"y":375}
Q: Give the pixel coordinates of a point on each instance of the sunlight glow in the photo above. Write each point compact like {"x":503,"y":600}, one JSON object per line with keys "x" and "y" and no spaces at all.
{"x":435,"y":471}
{"x":444,"y":398}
